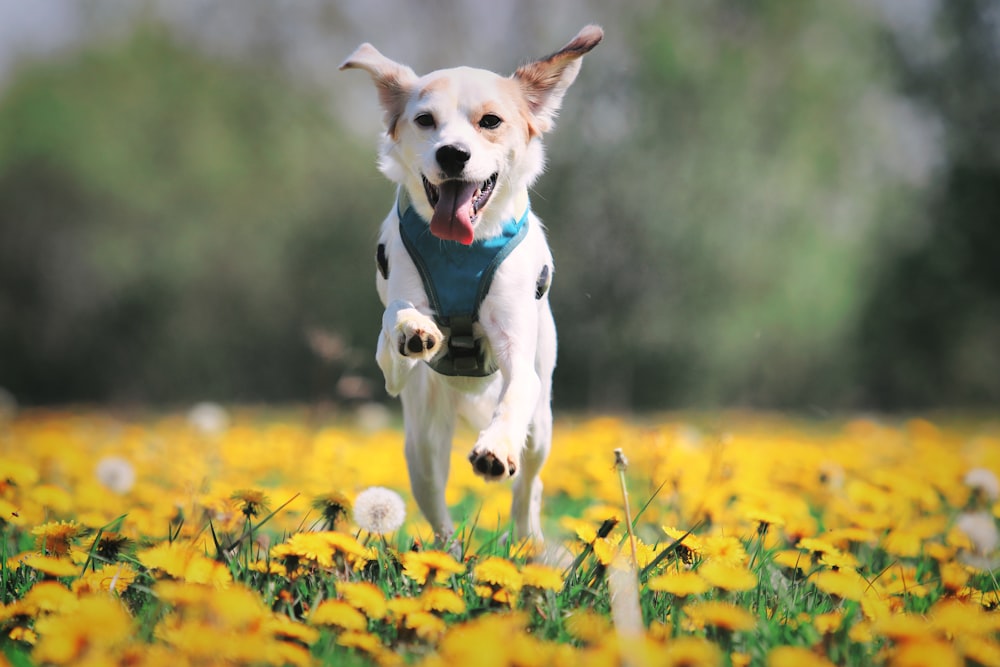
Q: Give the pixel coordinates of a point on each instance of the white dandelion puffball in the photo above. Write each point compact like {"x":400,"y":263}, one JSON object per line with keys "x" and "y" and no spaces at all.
{"x":116,"y":474}
{"x":981,"y":529}
{"x":985,"y":481}
{"x":379,"y":510}
{"x":209,"y":418}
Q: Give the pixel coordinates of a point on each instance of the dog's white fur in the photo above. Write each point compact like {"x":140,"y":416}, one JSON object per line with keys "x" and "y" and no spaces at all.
{"x":512,"y":406}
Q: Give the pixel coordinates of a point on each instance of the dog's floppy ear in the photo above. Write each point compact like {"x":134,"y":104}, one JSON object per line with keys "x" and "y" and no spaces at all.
{"x":393,"y":81}
{"x":545,"y":81}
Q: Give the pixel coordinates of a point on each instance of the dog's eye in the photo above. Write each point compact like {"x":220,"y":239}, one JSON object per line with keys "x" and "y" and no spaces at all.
{"x":490,"y":121}
{"x":425,"y":120}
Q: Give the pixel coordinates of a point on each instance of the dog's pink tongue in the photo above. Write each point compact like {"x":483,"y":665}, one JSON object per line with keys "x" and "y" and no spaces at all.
{"x":452,"y":219}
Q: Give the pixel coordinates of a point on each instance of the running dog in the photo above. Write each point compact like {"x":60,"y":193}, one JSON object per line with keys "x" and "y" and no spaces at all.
{"x":463,"y":268}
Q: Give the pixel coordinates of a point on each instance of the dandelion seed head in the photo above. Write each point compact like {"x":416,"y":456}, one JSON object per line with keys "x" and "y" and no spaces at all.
{"x":115,"y":474}
{"x":981,"y":529}
{"x":209,"y":418}
{"x":983,"y":481}
{"x":379,"y":510}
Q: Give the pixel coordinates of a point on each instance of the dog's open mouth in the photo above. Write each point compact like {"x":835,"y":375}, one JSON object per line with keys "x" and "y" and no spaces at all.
{"x":456,"y":206}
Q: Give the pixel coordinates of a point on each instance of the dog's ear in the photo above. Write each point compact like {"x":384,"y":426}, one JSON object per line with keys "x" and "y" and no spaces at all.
{"x":393,"y":81}
{"x":544,"y":82}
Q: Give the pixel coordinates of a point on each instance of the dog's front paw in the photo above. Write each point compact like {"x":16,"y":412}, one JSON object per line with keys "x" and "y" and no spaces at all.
{"x":492,"y":462}
{"x":417,"y":336}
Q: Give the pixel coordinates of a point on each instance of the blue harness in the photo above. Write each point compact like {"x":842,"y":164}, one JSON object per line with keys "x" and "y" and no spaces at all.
{"x":457,"y":278}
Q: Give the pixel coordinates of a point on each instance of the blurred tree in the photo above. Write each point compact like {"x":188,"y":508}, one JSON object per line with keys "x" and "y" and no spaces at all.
{"x":931,"y":331}
{"x":714,"y":208}
{"x":170,"y":226}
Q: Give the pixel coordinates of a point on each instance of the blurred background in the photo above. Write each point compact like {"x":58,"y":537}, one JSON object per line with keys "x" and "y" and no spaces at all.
{"x":762,"y":204}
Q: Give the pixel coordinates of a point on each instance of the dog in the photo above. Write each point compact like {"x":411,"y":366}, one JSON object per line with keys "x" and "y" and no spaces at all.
{"x":463,"y":269}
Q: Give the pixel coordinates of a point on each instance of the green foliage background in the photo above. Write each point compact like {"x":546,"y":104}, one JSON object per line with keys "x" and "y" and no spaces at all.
{"x":735,"y":211}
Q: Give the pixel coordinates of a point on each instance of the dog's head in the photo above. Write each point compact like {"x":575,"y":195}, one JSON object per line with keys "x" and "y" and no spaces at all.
{"x":464,"y":142}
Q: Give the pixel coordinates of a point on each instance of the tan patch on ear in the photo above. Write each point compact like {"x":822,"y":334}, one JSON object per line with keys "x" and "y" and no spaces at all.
{"x":514,"y":93}
{"x":393,"y":81}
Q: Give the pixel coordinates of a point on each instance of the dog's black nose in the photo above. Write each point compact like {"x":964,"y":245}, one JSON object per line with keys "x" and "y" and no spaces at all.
{"x":452,"y":159}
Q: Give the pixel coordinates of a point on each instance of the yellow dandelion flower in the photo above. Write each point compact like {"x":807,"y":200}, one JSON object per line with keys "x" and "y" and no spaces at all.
{"x":605,"y":551}
{"x":763,"y":518}
{"x":795,"y":656}
{"x":75,"y":638}
{"x":443,"y":600}
{"x":332,"y":507}
{"x":400,"y":607}
{"x":828,"y":622}
{"x":725,"y":549}
{"x":499,"y":572}
{"x":365,"y":596}
{"x":585,"y":531}
{"x":340,"y":614}
{"x":116,"y":577}
{"x":954,"y":576}
{"x":57,"y":537}
{"x":57,"y":567}
{"x":926,"y":652}
{"x":421,"y":565}
{"x":727,"y":577}
{"x":817,"y":546}
{"x":427,"y":626}
{"x":980,"y":650}
{"x":954,"y":618}
{"x":284,"y":628}
{"x":902,"y":626}
{"x":841,"y":583}
{"x":364,"y":641}
{"x":842,"y":536}
{"x":344,"y":543}
{"x":692,"y":652}
{"x":542,"y":576}
{"x":314,"y":547}
{"x":679,"y":583}
{"x":183,"y":561}
{"x":250,"y":502}
{"x":588,"y":626}
{"x":26,"y":635}
{"x":49,"y":597}
{"x":15,"y":473}
{"x":839,"y":560}
{"x":720,"y":615}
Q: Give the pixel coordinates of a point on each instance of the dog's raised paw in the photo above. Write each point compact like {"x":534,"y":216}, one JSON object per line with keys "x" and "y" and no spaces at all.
{"x":487,"y":465}
{"x":418,"y":339}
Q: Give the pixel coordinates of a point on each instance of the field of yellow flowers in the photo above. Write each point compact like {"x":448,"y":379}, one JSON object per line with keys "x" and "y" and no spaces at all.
{"x":264,"y":537}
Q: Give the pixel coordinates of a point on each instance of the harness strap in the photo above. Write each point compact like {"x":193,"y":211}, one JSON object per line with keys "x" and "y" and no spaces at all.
{"x":457,"y":278}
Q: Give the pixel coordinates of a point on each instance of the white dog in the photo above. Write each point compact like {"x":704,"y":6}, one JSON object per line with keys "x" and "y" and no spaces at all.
{"x":464,"y":269}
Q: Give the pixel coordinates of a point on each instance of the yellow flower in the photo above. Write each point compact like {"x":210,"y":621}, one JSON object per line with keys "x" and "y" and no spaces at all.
{"x":364,"y":641}
{"x":57,"y":567}
{"x":902,"y":626}
{"x":841,"y":583}
{"x":724,"y":549}
{"x":116,"y":577}
{"x":954,"y":619}
{"x":588,"y":626}
{"x":57,"y":537}
{"x":542,"y":576}
{"x":585,"y":530}
{"x":679,"y":583}
{"x":500,"y":573}
{"x":691,"y":542}
{"x":97,"y":625}
{"x":793,"y":559}
{"x":183,"y":561}
{"x":442,"y":599}
{"x":727,"y":577}
{"x":48,"y":597}
{"x":365,"y":596}
{"x":817,"y":546}
{"x":420,"y":565}
{"x":795,"y":656}
{"x":426,"y":625}
{"x":828,"y":622}
{"x":692,"y":652}
{"x":720,"y":615}
{"x":340,"y":614}
{"x":332,"y":507}
{"x":926,"y":652}
{"x":250,"y":502}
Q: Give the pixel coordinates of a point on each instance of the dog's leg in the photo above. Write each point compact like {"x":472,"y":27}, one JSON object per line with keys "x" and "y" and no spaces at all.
{"x":430,"y":420}
{"x":514,"y":341}
{"x":407,"y":337}
{"x":526,"y":504}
